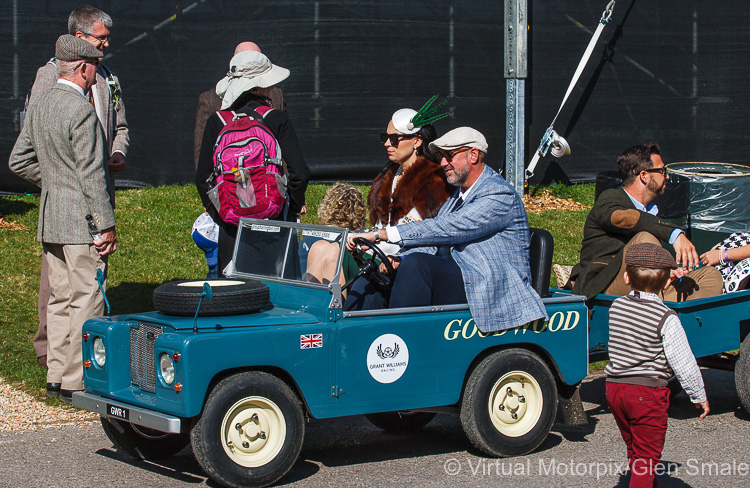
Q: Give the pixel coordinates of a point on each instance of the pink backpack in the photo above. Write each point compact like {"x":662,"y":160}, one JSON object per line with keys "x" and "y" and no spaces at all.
{"x":247,"y":166}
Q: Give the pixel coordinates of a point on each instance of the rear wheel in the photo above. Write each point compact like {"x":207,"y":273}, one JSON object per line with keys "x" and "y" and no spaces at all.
{"x":509,"y":403}
{"x":141,"y":442}
{"x":251,"y":431}
{"x":403,"y":421}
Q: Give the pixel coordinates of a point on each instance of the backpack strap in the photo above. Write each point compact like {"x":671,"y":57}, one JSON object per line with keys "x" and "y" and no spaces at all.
{"x":226,"y":116}
{"x":263,"y":110}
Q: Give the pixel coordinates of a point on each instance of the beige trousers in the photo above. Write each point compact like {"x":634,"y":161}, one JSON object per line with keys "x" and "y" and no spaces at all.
{"x":74,"y":298}
{"x":699,"y":283}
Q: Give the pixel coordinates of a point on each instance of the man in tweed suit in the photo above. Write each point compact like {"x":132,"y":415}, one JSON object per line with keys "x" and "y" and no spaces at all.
{"x":625,"y":216}
{"x":92,"y":25}
{"x":476,"y":249}
{"x":62,"y":149}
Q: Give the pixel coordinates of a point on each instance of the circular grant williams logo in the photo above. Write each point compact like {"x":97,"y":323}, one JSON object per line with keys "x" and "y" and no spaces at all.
{"x":387,"y":358}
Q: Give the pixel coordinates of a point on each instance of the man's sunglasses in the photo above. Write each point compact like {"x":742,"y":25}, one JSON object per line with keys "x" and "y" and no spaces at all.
{"x":662,"y":171}
{"x":395,"y":138}
{"x":448,"y":155}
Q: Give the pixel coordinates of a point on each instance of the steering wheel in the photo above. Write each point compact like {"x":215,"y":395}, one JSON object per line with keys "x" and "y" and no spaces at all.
{"x":370,"y":268}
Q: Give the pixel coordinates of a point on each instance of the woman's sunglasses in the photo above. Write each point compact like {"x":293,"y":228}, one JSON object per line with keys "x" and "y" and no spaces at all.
{"x":395,"y":138}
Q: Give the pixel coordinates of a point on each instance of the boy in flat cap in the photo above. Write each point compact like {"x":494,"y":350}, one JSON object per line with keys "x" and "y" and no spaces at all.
{"x":63,"y":150}
{"x":647,"y":346}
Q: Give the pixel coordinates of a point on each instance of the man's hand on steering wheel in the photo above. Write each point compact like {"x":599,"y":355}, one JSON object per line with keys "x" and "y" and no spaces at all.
{"x":351,"y":245}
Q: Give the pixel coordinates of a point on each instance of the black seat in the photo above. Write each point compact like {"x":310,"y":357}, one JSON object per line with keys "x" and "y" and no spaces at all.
{"x":542,"y":246}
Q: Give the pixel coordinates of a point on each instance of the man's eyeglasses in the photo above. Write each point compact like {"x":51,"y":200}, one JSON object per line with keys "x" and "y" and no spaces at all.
{"x":448,"y":155}
{"x":395,"y":138}
{"x":662,"y":171}
{"x":99,"y":38}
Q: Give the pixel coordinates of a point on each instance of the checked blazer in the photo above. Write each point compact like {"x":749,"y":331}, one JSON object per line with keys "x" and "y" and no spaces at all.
{"x":489,"y":239}
{"x":62,"y":149}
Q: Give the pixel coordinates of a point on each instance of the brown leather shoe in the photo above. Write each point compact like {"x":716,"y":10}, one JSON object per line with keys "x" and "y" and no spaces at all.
{"x":42,"y":360}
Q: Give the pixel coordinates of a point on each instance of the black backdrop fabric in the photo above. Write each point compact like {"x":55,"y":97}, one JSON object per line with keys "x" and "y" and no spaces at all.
{"x":671,"y":72}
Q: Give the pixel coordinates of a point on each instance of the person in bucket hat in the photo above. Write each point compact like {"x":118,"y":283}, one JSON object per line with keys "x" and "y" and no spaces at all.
{"x":243,"y":90}
{"x":647,"y":347}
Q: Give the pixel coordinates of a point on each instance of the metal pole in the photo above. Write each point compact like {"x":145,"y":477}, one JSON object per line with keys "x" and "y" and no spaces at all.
{"x":515,"y":90}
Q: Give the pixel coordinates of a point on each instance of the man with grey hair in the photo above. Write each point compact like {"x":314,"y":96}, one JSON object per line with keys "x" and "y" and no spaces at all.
{"x":62,"y":149}
{"x":93,"y":26}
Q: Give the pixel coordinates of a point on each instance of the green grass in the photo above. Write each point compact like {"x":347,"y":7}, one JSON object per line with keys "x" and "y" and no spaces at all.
{"x":155,"y":246}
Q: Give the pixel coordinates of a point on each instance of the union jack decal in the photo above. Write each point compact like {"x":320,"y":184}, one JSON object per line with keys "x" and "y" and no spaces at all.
{"x":310,"y":341}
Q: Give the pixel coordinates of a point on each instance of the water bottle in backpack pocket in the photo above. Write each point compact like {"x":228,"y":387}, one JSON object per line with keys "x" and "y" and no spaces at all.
{"x":248,"y":173}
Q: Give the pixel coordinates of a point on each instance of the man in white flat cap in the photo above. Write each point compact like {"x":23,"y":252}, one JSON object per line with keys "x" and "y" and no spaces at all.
{"x":475,"y":250}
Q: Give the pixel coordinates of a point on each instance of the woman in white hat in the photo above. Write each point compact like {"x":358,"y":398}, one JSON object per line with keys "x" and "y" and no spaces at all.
{"x":412,"y":185}
{"x":243,"y":90}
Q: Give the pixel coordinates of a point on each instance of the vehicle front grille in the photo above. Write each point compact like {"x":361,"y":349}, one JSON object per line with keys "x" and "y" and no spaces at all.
{"x":142,"y":365}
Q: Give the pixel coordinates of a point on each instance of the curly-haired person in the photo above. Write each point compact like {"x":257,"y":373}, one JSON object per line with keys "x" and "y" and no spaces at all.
{"x":342,"y":206}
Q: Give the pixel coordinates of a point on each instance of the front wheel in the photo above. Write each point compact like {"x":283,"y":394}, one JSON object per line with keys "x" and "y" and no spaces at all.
{"x":251,"y":431}
{"x":141,"y":442}
{"x":509,"y":403}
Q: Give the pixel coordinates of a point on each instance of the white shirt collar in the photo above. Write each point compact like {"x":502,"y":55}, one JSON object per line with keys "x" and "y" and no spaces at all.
{"x":70,"y":83}
{"x":651,"y":208}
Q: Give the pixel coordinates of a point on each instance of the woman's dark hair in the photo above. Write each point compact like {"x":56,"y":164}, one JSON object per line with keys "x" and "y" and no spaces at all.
{"x":428,"y":134}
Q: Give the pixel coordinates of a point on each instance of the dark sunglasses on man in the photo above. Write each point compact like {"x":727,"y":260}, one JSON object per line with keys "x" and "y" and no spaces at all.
{"x":449,"y":155}
{"x":662,"y":171}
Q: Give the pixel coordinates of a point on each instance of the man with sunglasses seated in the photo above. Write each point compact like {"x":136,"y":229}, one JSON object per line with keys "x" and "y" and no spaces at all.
{"x":475,"y":250}
{"x":625,"y":216}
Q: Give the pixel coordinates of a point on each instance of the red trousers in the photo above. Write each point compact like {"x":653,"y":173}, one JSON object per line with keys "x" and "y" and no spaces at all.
{"x":641,"y":415}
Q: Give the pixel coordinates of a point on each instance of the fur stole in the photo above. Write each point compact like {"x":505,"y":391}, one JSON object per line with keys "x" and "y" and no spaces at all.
{"x":421,"y":186}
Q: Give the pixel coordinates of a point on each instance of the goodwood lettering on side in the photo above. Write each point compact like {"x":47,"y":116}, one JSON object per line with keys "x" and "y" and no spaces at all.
{"x":560,"y":321}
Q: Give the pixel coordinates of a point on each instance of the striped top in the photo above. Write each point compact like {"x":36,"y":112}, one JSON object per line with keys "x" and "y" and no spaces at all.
{"x":647,"y":346}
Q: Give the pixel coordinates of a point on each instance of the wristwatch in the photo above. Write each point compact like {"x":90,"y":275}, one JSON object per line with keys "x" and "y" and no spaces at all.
{"x":377,"y":234}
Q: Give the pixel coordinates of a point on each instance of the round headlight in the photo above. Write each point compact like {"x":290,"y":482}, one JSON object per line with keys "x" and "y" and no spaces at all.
{"x":100,"y":353}
{"x":166,"y":368}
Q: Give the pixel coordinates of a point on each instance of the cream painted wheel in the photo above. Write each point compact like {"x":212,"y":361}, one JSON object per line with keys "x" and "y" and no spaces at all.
{"x":515,"y":403}
{"x":509,"y":403}
{"x":253,"y":431}
{"x":250,"y":432}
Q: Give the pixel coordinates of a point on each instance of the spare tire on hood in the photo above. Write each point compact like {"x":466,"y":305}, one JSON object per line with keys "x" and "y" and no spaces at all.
{"x":230,"y":297}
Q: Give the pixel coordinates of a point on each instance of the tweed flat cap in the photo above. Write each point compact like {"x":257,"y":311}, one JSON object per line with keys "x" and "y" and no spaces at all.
{"x":648,"y":255}
{"x":461,"y":137}
{"x":72,"y":48}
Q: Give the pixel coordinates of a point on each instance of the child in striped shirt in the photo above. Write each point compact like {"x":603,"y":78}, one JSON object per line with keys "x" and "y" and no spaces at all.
{"x":647,"y":346}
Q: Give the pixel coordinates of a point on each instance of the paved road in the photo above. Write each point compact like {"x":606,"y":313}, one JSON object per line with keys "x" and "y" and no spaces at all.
{"x":349,"y":452}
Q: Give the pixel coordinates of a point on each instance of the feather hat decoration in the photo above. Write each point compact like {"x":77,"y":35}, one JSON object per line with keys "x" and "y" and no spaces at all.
{"x":409,"y":121}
